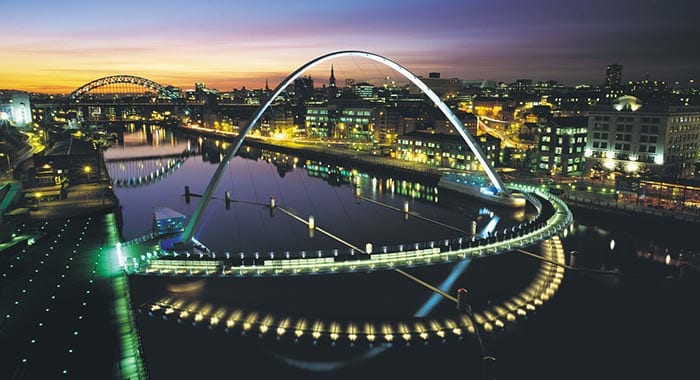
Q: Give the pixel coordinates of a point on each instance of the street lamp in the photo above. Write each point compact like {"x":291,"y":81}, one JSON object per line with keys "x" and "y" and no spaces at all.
{"x":488,"y":362}
{"x":87,"y":169}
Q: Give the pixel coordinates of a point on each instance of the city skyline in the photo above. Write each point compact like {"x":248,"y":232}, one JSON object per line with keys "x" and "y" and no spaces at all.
{"x":323,"y":189}
{"x":56,"y":48}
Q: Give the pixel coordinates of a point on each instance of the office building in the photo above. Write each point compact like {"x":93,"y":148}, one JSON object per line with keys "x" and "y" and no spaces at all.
{"x":613,"y":75}
{"x":447,"y":151}
{"x":562,"y":145}
{"x":659,"y":140}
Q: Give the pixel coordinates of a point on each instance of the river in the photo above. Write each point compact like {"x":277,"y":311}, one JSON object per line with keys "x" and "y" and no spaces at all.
{"x":629,"y":323}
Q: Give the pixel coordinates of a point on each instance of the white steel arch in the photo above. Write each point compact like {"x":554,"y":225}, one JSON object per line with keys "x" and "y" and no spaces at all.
{"x":235,"y":146}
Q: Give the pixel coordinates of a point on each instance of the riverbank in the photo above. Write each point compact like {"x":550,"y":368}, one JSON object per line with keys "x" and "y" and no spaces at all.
{"x":320,"y":150}
{"x":84,"y":199}
{"x":610,"y":206}
{"x":33,"y":204}
{"x":364,"y":160}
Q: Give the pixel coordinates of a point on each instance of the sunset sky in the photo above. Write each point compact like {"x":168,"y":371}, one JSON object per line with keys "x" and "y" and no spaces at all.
{"x":57,"y":46}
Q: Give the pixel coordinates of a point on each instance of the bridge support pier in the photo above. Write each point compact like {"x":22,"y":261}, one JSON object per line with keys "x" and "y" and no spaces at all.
{"x":228,"y":200}
{"x":187,"y":194}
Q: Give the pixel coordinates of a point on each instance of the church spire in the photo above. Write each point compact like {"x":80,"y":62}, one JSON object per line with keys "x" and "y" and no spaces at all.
{"x":331,"y":80}
{"x":267,"y":86}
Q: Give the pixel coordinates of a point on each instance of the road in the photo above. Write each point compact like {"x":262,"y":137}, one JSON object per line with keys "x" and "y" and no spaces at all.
{"x":501,"y":134}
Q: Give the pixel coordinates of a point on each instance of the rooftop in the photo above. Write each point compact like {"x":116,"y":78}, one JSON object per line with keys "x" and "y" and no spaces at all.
{"x":70,"y":146}
{"x":160,"y":213}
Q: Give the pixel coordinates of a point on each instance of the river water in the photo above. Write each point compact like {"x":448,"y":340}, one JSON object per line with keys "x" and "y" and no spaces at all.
{"x":320,"y":189}
{"x":598,"y":326}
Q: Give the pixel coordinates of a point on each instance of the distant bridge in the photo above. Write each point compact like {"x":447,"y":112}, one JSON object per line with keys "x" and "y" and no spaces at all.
{"x":124,"y":98}
{"x":122,"y":82}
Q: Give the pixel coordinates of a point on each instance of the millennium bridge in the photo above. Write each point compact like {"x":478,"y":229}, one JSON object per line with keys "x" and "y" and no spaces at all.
{"x":186,"y":257}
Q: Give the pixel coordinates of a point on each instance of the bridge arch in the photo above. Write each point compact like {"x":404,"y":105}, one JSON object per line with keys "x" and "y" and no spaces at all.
{"x":122,"y":79}
{"x":188,"y":234}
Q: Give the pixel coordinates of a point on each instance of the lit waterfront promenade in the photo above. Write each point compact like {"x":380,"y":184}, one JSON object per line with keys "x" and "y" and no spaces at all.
{"x":66,"y":308}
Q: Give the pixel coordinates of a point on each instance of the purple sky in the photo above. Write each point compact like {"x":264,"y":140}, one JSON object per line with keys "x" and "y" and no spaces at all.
{"x":57,"y":46}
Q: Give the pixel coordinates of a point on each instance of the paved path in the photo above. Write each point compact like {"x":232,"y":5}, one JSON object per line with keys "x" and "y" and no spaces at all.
{"x":63,"y":306}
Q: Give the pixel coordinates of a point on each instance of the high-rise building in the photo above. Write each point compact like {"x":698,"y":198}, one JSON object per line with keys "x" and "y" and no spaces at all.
{"x":363,"y":89}
{"x":613,"y":75}
{"x":320,"y":121}
{"x":630,"y":136}
{"x":357,"y":123}
{"x":352,"y":121}
{"x":562,"y":144}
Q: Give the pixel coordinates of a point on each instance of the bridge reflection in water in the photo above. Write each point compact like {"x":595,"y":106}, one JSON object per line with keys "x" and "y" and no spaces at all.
{"x":142,"y":171}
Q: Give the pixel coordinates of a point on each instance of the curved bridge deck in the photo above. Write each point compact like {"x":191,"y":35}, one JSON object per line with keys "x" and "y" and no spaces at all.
{"x":550,"y":222}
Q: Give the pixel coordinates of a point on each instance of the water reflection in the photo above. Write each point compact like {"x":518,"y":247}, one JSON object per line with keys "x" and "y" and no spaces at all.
{"x":337,"y":197}
{"x":334,"y":203}
{"x":630,"y":247}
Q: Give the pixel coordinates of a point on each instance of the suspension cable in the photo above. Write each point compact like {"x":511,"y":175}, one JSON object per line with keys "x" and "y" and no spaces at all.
{"x":255,"y":193}
{"x":358,"y":249}
{"x":306,"y":191}
{"x":283,"y":201}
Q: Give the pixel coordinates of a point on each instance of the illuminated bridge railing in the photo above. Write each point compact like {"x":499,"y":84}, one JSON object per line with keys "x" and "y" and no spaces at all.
{"x":185,"y":266}
{"x":494,"y":318}
{"x":551,"y":222}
